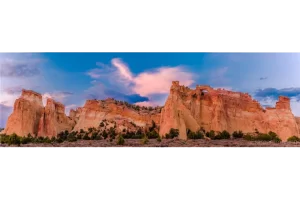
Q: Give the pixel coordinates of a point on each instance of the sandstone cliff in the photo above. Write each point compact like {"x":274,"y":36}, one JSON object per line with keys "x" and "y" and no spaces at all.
{"x":95,"y":111}
{"x":224,"y":110}
{"x":26,"y":114}
{"x":54,"y":120}
{"x":185,"y":108}
{"x":30,"y":116}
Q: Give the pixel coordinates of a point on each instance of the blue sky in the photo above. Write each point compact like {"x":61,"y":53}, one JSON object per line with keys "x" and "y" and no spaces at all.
{"x":145,"y":78}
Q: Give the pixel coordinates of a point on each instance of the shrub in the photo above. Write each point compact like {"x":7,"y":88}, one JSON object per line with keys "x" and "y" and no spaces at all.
{"x":104,"y":134}
{"x":158,"y":139}
{"x":277,"y":140}
{"x":128,"y":135}
{"x":94,"y":135}
{"x":14,"y":139}
{"x":53,"y":139}
{"x":101,"y":124}
{"x":211,"y":134}
{"x":4,"y":138}
{"x":47,"y":140}
{"x":145,"y":140}
{"x":120,"y":140}
{"x":59,"y":140}
{"x":25,"y":140}
{"x":237,"y":134}
{"x":40,"y":139}
{"x":249,"y":137}
{"x":86,"y":136}
{"x":63,"y":135}
{"x":194,"y":136}
{"x":152,"y":135}
{"x":152,"y":127}
{"x":222,"y":135}
{"x":112,"y":133}
{"x":79,"y":136}
{"x":82,"y":131}
{"x":263,"y":137}
{"x":202,"y":130}
{"x":172,"y":134}
{"x":272,"y":135}
{"x":293,"y":139}
{"x":72,"y":137}
{"x":138,"y":136}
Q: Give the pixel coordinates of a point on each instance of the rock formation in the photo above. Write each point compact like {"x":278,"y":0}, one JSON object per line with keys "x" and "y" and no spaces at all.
{"x":54,"y":120}
{"x":30,"y":116}
{"x":185,"y":108}
{"x":94,"y":111}
{"x":26,"y":114}
{"x":220,"y":110}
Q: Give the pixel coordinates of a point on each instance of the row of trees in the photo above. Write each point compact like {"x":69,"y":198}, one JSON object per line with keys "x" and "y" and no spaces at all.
{"x":256,"y":136}
{"x":93,"y":134}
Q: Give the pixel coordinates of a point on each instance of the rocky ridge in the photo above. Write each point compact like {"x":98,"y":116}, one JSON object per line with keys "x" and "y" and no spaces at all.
{"x":219,"y":109}
{"x":185,"y":108}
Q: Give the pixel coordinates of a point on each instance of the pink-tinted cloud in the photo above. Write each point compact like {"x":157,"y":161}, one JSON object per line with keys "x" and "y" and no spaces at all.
{"x":160,"y":80}
{"x":94,"y":73}
{"x":122,"y":68}
{"x":145,"y":84}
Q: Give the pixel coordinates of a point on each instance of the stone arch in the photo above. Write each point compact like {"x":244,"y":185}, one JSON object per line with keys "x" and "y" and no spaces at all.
{"x":203,"y":91}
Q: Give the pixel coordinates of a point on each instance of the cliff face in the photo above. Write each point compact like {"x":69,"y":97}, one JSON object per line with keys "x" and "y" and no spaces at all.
{"x":30,"y":116}
{"x":224,"y":110}
{"x":184,"y":109}
{"x":94,"y":111}
{"x":54,"y":120}
{"x":27,"y":112}
{"x":298,"y":122}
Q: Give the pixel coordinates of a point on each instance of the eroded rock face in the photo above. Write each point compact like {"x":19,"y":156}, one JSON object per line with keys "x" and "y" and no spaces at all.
{"x":220,"y":110}
{"x":30,"y":116}
{"x":185,"y":108}
{"x":27,"y":112}
{"x":54,"y":120}
{"x":94,"y":111}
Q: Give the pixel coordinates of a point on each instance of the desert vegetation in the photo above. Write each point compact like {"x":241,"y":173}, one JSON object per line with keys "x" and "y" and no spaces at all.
{"x":111,"y":136}
{"x":293,"y":139}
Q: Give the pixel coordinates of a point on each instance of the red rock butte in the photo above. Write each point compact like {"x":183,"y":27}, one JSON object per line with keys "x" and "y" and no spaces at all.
{"x":219,"y":109}
{"x":185,"y":108}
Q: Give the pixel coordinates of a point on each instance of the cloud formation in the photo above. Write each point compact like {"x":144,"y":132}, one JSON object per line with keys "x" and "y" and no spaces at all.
{"x":275,"y":93}
{"x":5,"y":111}
{"x":140,"y":87}
{"x":19,"y":68}
{"x":59,"y":96}
{"x":100,"y":91}
{"x":13,"y":90}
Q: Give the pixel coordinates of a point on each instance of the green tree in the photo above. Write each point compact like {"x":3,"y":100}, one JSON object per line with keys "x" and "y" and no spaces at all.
{"x":120,"y":140}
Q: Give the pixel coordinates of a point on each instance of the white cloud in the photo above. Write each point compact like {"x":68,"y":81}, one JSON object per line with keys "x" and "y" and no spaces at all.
{"x":123,"y":69}
{"x":59,"y":96}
